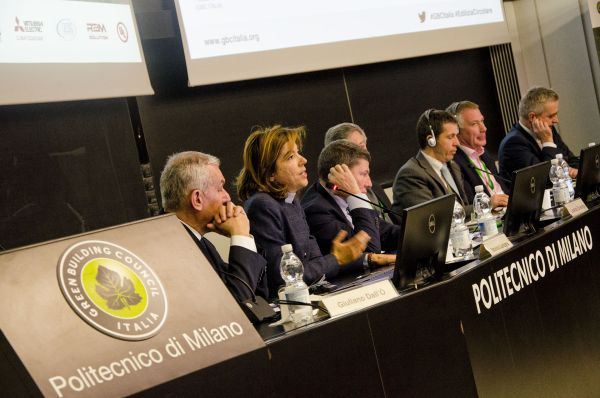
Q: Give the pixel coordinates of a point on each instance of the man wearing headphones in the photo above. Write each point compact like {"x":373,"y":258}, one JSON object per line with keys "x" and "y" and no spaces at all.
{"x":431,"y":173}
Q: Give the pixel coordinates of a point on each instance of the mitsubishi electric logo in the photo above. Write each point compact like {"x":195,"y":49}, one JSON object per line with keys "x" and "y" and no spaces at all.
{"x":18,"y":26}
{"x":431,"y":223}
{"x":422,"y":16}
{"x":112,"y":289}
{"x":532,"y":185}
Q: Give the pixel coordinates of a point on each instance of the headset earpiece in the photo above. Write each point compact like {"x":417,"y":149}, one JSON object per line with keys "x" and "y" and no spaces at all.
{"x":431,"y":141}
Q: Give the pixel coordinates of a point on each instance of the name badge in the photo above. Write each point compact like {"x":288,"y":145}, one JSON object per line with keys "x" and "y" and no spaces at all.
{"x":494,"y":246}
{"x":359,"y":298}
{"x":575,"y":207}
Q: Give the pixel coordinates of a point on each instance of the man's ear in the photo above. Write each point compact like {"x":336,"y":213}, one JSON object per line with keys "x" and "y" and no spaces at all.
{"x":196,"y":200}
{"x":531,"y":117}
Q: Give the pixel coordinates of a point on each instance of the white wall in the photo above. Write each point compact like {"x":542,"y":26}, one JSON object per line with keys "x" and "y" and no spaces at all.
{"x":550,"y":46}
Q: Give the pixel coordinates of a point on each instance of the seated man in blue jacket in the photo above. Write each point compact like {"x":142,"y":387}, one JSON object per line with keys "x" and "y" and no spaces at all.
{"x":346,"y":165}
{"x":534,"y":138}
{"x":354,"y":133}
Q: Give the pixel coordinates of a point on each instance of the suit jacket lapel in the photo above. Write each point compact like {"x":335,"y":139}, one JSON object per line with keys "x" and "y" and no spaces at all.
{"x":533,"y":143}
{"x":455,"y":171}
{"x":429,"y":170}
{"x":209,"y":251}
{"x":338,"y":211}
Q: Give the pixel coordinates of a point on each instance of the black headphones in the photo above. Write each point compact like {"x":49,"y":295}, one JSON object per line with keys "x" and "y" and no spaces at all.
{"x":431,"y":141}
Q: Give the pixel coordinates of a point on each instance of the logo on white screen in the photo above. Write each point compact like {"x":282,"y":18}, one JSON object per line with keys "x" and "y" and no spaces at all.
{"x":96,"y":31}
{"x":18,"y":26}
{"x":122,"y":32}
{"x":66,"y":29}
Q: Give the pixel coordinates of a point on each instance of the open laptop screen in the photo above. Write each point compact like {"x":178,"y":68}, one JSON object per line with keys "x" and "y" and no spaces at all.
{"x":423,"y":243}
{"x":588,"y":176}
{"x":525,"y":200}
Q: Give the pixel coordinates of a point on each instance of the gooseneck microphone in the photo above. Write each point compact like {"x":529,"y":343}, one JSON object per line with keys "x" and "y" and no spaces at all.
{"x":256,"y":308}
{"x":334,"y":187}
{"x":490,"y":173}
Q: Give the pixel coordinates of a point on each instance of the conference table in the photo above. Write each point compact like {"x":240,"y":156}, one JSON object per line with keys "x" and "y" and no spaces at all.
{"x":523,"y":323}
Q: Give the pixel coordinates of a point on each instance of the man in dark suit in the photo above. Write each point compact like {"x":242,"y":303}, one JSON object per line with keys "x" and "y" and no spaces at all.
{"x":191,"y":185}
{"x":534,"y":138}
{"x":471,"y":157}
{"x":431,"y":173}
{"x":354,"y":133}
{"x":346,"y":165}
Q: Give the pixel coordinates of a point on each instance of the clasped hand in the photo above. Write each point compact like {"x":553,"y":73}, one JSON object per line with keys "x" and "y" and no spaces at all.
{"x":230,"y":220}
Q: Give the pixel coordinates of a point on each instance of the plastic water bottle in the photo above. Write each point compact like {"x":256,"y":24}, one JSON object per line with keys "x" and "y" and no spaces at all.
{"x":459,"y":233}
{"x":565,"y":166}
{"x":295,"y":289}
{"x":482,"y":207}
{"x":560,"y":190}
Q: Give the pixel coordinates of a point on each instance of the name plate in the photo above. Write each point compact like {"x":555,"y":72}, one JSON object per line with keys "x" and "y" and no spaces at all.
{"x":575,"y":207}
{"x":494,"y":246}
{"x":359,"y":298}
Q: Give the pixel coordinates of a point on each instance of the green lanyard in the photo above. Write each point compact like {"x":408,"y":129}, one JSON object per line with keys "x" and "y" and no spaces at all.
{"x":489,"y":179}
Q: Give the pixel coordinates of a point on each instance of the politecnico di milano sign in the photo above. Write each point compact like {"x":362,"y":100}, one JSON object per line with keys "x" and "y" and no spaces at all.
{"x":118,"y":311}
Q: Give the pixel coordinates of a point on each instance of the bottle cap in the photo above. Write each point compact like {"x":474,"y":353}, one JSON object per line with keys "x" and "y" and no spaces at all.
{"x":554,"y":161}
{"x":559,"y":156}
{"x":287,"y":248}
{"x":479,"y":188}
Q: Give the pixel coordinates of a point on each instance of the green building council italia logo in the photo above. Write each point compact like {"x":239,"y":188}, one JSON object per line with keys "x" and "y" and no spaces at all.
{"x":112,"y":289}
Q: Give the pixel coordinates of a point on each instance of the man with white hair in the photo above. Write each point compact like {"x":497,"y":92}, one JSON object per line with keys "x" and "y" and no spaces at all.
{"x":192,"y":187}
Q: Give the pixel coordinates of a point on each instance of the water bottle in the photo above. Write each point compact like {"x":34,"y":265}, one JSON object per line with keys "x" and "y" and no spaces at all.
{"x":565,"y":166}
{"x":459,"y":233}
{"x":560,"y":190}
{"x":295,"y":289}
{"x":482,"y":207}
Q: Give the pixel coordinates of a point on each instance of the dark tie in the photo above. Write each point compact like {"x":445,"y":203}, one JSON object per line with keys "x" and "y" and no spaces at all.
{"x":210,"y":252}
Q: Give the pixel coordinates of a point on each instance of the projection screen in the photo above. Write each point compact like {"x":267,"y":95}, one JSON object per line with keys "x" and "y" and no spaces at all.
{"x":227,"y":40}
{"x":59,"y":50}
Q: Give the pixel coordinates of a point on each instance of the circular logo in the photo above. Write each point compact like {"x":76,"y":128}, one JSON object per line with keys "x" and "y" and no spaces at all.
{"x":122,"y":32}
{"x":66,"y":29}
{"x":532,"y":185}
{"x":112,"y":289}
{"x":431,"y":223}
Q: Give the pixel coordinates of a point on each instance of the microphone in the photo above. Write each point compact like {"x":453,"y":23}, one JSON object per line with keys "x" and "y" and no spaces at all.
{"x":334,"y":187}
{"x":490,"y":173}
{"x":256,"y":308}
